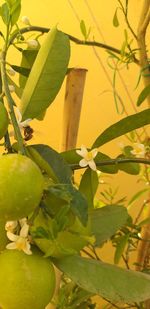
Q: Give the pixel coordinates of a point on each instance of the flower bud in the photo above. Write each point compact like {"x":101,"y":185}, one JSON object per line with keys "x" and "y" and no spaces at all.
{"x":32,"y":44}
{"x":25,"y":20}
{"x":11,"y":88}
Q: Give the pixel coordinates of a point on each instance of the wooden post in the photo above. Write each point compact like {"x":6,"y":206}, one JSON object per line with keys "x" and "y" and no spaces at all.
{"x":71,"y":118}
{"x":72,"y":107}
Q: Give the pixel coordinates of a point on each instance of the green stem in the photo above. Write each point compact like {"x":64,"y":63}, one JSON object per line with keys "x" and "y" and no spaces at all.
{"x":72,"y":38}
{"x":114,"y":162}
{"x":7,"y":143}
{"x":10,"y":100}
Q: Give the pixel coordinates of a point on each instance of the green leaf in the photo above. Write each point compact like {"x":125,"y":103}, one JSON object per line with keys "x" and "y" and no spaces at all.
{"x":88,"y":185}
{"x":136,"y":196}
{"x":75,"y":199}
{"x":106,"y":221}
{"x":109,"y":281}
{"x":71,"y":157}
{"x":123,"y":126}
{"x":83,"y":29}
{"x":23,"y":71}
{"x":28,"y":58}
{"x":110,"y":169}
{"x":47,"y":74}
{"x":11,"y":2}
{"x":123,"y":240}
{"x":5,"y":13}
{"x":115,"y":19}
{"x":15,"y":12}
{"x":143,"y":95}
{"x":129,"y":168}
{"x":51,"y":162}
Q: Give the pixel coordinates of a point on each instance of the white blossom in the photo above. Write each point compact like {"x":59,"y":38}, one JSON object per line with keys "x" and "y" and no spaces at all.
{"x":138,"y":150}
{"x":88,"y":157}
{"x":20,"y":242}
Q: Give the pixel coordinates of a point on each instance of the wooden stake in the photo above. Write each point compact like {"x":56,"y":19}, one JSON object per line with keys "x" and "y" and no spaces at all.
{"x":72,"y":107}
{"x":71,"y":118}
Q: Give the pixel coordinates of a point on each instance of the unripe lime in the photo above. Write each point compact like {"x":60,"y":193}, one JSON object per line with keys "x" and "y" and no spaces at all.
{"x":26,"y":281}
{"x":3,"y":237}
{"x":21,"y":186}
{"x":4,"y":120}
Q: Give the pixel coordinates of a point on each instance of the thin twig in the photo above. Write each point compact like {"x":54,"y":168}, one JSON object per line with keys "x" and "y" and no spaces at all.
{"x":125,"y":12}
{"x":72,"y":38}
{"x":87,"y":253}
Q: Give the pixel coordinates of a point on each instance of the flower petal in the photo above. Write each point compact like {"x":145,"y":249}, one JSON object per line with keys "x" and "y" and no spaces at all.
{"x":10,"y":226}
{"x":12,"y":236}
{"x":82,"y":152}
{"x":94,"y":152}
{"x":24,"y":230}
{"x":27,"y":249}
{"x":22,"y":221}
{"x":83,"y":163}
{"x":11,"y":246}
{"x":92,"y":165}
{"x":25,"y":123}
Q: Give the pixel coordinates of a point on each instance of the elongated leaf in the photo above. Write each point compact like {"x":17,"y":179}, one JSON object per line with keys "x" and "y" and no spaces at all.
{"x":47,"y":74}
{"x":106,"y":280}
{"x":75,"y":199}
{"x":15,"y":12}
{"x":28,"y":58}
{"x":136,"y":196}
{"x":5,"y":13}
{"x":110,"y":169}
{"x":120,"y":248}
{"x":51,"y":162}
{"x":123,"y":126}
{"x":23,"y":71}
{"x":115,"y":19}
{"x":83,"y":28}
{"x":106,"y":221}
{"x":143,"y":95}
{"x":88,"y":185}
{"x":129,"y":168}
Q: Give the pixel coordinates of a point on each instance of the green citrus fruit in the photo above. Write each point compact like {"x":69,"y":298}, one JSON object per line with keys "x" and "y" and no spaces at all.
{"x":4,"y":120}
{"x":21,"y":186}
{"x":3,"y":237}
{"x":26,"y":281}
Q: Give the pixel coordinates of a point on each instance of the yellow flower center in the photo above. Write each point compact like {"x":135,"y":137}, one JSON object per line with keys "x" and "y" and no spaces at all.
{"x":89,"y":156}
{"x":21,"y":243}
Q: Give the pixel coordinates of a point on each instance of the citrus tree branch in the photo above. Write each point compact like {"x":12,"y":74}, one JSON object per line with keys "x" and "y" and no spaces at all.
{"x":114,"y":162}
{"x":125,"y":12}
{"x":9,"y":98}
{"x":72,"y":38}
